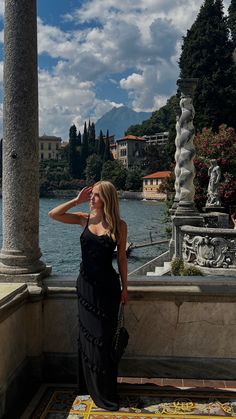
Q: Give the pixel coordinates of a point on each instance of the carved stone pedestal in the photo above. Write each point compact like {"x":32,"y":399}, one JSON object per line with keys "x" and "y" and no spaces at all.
{"x":216,"y":219}
{"x":175,"y":247}
{"x":214,"y":209}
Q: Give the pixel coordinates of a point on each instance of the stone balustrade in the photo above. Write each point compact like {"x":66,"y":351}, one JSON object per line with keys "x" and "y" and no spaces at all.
{"x":209,"y":248}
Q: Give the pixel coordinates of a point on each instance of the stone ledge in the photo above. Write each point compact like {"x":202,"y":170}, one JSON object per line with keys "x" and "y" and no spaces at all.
{"x":12,"y":296}
{"x":158,"y":288}
{"x":170,"y":288}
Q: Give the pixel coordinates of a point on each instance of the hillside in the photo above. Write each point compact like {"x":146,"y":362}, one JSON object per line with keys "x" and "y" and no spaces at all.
{"x":117,"y":120}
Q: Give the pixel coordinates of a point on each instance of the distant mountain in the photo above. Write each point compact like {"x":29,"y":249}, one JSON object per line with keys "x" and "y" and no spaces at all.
{"x":118,"y":120}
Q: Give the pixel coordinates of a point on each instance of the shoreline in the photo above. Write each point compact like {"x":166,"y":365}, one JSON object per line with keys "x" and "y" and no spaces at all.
{"x":138,"y":196}
{"x":71,"y":193}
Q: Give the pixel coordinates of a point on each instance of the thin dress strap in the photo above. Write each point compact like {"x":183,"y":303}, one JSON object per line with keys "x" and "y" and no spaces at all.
{"x":86,"y":225}
{"x":87,"y":221}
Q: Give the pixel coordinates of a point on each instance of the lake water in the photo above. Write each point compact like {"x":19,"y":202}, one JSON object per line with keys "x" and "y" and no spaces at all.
{"x":60,"y":243}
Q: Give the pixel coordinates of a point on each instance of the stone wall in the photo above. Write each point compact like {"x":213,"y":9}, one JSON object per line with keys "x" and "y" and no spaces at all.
{"x":179,"y":327}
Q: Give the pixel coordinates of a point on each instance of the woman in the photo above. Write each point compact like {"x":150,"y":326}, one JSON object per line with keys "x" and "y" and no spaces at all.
{"x":98,"y":287}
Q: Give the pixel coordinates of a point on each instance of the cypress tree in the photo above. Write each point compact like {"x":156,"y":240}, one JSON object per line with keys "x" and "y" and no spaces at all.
{"x":84,"y":150}
{"x":72,"y":150}
{"x":100,"y":144}
{"x":207,"y":55}
{"x":107,"y":152}
{"x":79,"y":142}
{"x":91,"y":138}
{"x":232,"y":21}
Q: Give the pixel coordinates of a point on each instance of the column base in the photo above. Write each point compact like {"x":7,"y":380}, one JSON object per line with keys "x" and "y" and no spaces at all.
{"x":174,"y":207}
{"x":19,"y":262}
{"x":30,"y":278}
{"x":186,"y":208}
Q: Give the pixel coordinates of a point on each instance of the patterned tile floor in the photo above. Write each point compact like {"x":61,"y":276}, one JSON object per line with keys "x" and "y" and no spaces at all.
{"x":141,"y":398}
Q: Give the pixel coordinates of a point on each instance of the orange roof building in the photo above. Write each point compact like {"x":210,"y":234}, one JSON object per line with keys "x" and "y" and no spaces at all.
{"x":131,"y":150}
{"x":151,"y":184}
{"x":158,"y":175}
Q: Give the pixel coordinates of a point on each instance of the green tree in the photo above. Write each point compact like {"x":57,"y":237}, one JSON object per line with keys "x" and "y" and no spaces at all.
{"x":115,"y":172}
{"x":232,"y":21}
{"x":107,"y":151}
{"x":93,"y":169}
{"x":100,"y":144}
{"x":207,"y":54}
{"x":157,"y":158}
{"x":78,"y":140}
{"x":84,"y":150}
{"x":72,"y":151}
{"x":133,"y":180}
{"x":91,"y":138}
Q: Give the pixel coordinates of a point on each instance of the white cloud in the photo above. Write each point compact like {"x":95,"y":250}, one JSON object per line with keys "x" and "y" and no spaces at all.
{"x":2,"y":7}
{"x":141,"y":38}
{"x":64,"y":100}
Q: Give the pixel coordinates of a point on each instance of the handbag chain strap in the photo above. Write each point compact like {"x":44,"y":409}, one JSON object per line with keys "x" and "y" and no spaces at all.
{"x":120,"y":322}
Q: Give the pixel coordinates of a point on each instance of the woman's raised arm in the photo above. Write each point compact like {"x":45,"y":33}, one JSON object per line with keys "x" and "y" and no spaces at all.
{"x":60,"y":213}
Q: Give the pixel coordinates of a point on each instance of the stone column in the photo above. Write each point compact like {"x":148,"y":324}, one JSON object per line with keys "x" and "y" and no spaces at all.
{"x":177,"y":167}
{"x":184,"y":207}
{"x":20,"y":253}
{"x":187,"y":150}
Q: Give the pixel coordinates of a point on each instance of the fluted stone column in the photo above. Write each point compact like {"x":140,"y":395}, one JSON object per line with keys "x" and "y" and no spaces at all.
{"x":20,"y":253}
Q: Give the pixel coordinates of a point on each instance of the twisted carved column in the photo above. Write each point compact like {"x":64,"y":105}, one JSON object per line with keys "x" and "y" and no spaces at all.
{"x":185,"y":134}
{"x":177,"y":167}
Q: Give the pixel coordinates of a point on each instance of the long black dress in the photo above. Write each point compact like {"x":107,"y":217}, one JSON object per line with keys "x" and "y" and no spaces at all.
{"x":98,"y":289}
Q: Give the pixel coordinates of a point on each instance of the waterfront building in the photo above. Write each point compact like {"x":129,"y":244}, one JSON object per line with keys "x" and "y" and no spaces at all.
{"x":160,"y":138}
{"x":151,"y":185}
{"x":131,"y":150}
{"x":49,"y":147}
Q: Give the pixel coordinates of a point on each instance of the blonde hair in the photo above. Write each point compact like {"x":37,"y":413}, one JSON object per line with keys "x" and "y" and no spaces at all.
{"x":109,"y":196}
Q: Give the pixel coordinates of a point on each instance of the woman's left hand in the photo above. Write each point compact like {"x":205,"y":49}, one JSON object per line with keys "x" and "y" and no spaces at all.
{"x":124,"y":296}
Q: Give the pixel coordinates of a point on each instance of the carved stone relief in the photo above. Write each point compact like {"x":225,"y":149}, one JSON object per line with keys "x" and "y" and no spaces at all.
{"x":217,"y":252}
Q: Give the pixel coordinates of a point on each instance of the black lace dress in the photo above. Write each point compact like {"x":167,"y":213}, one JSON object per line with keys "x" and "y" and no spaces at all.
{"x":98,"y":289}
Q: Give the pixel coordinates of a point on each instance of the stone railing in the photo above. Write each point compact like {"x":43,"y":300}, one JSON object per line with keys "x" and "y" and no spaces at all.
{"x":209,"y":247}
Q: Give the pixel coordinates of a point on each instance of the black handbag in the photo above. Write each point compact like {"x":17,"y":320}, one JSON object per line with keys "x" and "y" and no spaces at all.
{"x":121,"y":338}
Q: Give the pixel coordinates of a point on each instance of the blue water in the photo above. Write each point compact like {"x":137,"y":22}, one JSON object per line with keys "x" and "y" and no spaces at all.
{"x":60,"y":243}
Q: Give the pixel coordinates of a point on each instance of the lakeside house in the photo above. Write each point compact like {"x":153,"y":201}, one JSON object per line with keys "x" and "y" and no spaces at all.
{"x":49,"y":147}
{"x":151,"y":185}
{"x":130,"y":150}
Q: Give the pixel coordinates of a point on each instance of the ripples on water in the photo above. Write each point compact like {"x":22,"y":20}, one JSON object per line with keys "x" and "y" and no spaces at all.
{"x":60,"y":244}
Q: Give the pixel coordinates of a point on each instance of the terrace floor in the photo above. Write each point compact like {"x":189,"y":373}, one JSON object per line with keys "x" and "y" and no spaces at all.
{"x":140,"y":398}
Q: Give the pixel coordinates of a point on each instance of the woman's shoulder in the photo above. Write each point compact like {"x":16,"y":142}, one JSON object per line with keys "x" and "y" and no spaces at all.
{"x":83,"y":217}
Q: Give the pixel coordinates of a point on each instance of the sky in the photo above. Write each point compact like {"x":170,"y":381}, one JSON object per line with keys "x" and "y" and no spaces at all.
{"x":97,"y":54}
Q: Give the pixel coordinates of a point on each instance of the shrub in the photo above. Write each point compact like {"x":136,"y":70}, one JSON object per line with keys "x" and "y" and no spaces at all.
{"x":178,"y":267}
{"x":191,"y":271}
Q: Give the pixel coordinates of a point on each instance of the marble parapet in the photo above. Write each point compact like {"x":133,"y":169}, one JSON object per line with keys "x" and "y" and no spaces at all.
{"x":12,"y":296}
{"x":211,"y":249}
